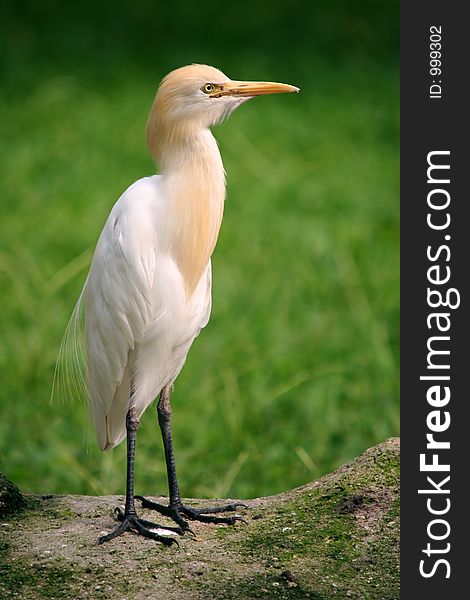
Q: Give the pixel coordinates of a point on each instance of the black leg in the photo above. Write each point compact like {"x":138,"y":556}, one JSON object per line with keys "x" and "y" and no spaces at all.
{"x":132,"y":425}
{"x":176,"y":509}
{"x":164,"y":416}
{"x":129,"y":519}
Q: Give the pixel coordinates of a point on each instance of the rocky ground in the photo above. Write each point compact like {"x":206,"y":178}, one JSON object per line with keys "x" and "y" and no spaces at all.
{"x":337,"y":537}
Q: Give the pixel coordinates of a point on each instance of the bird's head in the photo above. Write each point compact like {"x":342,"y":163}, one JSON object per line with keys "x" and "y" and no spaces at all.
{"x":200,"y":96}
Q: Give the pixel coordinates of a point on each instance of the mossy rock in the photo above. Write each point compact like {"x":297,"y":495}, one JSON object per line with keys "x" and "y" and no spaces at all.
{"x":337,"y":537}
{"x":11,"y":499}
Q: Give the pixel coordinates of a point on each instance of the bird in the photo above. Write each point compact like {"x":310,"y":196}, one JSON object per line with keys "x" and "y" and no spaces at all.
{"x":147,"y":294}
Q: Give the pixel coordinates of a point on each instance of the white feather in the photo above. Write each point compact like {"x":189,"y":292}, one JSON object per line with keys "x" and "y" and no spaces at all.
{"x":133,"y":315}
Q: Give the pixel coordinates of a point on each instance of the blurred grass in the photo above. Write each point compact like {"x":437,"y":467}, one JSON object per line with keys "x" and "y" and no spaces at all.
{"x":298,"y":369}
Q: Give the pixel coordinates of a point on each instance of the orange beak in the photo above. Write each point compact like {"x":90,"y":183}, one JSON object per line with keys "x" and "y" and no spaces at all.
{"x":253,"y":88}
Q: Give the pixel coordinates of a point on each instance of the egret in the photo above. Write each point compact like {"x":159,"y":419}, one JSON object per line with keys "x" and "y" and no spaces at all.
{"x":148,"y":292}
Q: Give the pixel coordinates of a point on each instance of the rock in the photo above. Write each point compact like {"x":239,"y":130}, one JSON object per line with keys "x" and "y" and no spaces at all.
{"x":335,"y":536}
{"x":11,"y":499}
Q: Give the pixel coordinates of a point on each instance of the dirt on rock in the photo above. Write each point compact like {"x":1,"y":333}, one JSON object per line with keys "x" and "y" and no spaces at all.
{"x":337,"y":537}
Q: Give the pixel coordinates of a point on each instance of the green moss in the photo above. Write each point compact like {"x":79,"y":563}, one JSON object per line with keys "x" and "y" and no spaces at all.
{"x":388,"y":464}
{"x":39,"y":509}
{"x":298,"y":528}
{"x":223,"y":532}
{"x":341,"y":538}
{"x":260,"y":585}
{"x":58,"y":579}
{"x":46,"y":581}
{"x":383,"y":553}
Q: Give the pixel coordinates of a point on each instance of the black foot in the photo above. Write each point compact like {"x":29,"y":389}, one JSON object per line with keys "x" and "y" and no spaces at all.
{"x":194,"y":514}
{"x":134,"y":523}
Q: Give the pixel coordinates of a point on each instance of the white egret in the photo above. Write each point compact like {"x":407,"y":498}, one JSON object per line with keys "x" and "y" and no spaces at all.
{"x":148,"y":291}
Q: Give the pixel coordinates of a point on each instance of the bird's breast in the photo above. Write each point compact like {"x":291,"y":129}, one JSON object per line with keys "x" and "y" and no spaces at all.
{"x":194,"y":218}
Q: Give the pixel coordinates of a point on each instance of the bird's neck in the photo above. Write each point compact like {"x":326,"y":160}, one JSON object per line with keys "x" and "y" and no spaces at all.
{"x":194,"y":182}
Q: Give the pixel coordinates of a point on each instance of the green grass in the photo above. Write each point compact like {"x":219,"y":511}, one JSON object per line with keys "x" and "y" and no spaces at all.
{"x":298,"y":369}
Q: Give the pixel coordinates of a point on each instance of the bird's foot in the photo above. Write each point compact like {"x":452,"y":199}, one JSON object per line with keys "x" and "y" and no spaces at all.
{"x":204,"y":515}
{"x":141,"y":526}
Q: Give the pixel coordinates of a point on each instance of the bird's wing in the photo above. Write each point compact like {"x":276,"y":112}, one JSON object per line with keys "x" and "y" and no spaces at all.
{"x":114,"y":307}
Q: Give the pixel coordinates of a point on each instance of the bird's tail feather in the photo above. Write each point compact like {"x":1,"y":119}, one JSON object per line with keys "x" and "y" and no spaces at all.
{"x":70,"y":375}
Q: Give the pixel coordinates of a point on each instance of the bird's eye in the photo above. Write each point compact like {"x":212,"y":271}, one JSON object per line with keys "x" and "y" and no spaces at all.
{"x":207,"y":88}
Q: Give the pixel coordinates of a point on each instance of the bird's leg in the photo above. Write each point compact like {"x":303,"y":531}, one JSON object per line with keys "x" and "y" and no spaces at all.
{"x":129,"y":519}
{"x":132,"y":425}
{"x":176,"y":509}
{"x":164,"y":417}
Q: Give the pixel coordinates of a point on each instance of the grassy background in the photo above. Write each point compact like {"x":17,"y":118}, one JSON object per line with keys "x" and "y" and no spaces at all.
{"x":298,"y":370}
